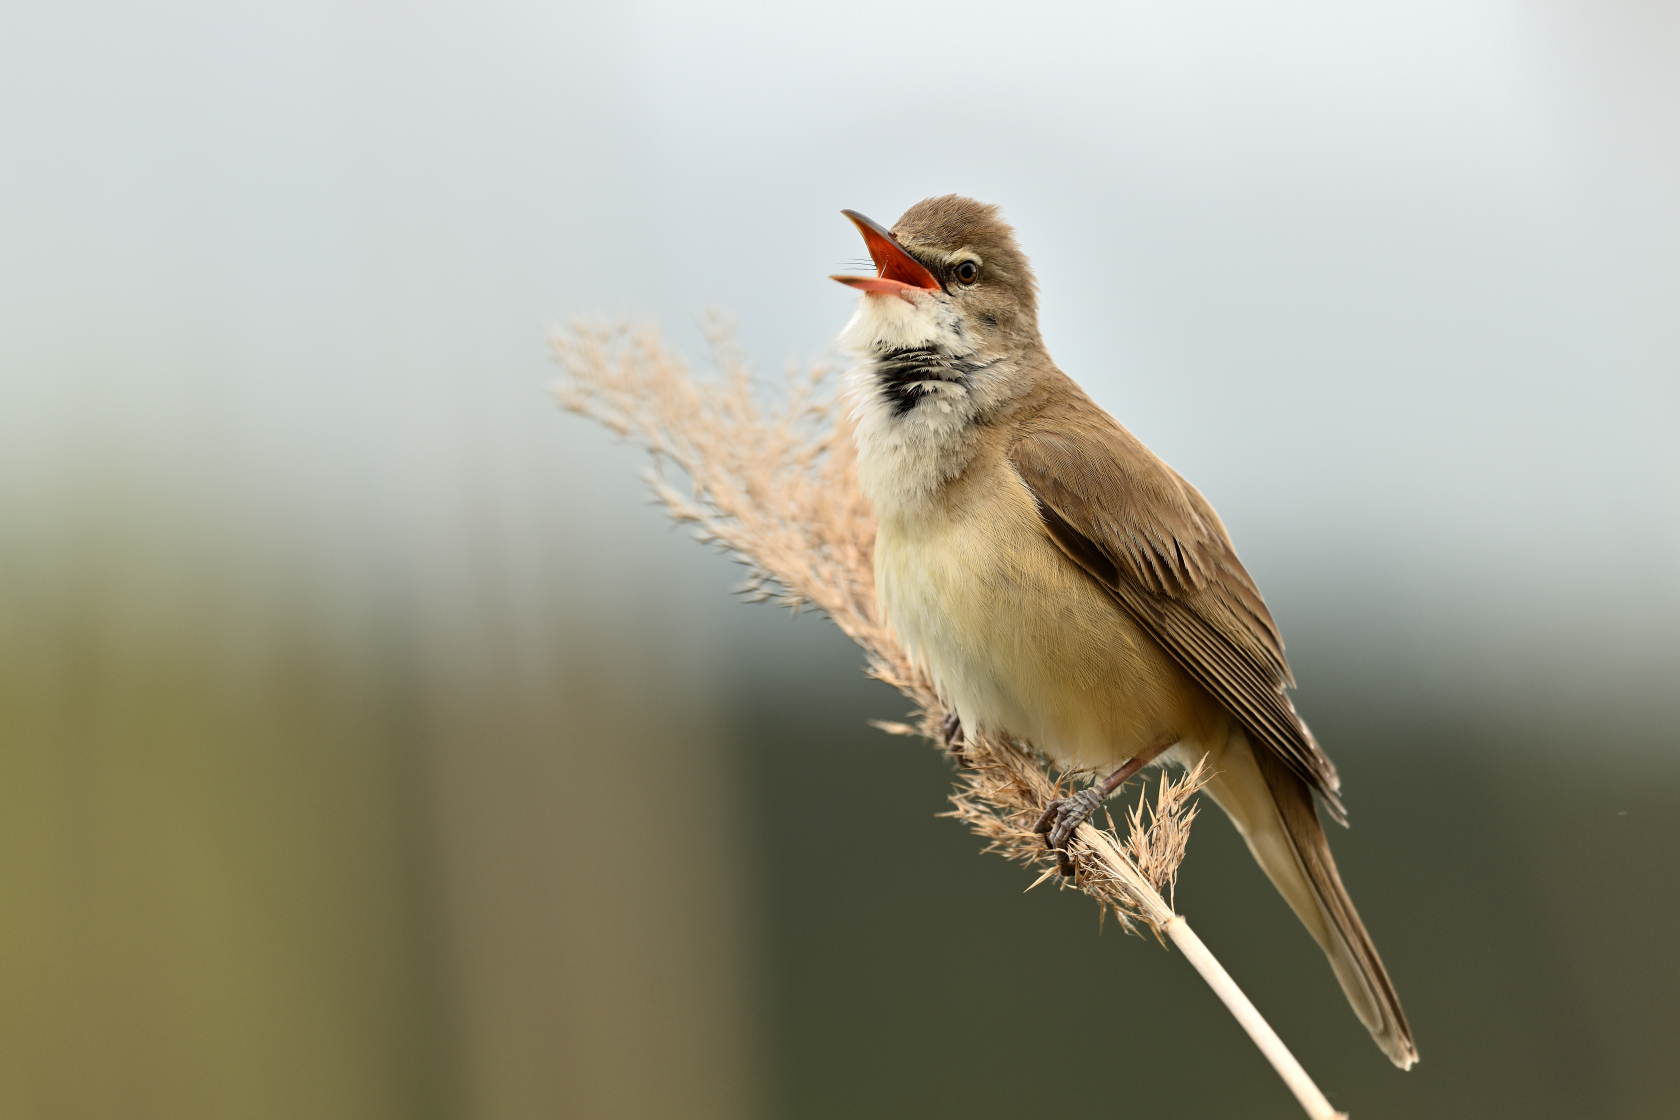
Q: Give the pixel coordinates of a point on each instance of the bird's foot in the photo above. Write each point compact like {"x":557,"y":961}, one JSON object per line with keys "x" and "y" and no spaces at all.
{"x":951,"y":731}
{"x":1065,"y":814}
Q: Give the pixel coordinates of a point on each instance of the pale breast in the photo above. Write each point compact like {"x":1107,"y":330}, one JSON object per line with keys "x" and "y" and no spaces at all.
{"x":1018,"y":638}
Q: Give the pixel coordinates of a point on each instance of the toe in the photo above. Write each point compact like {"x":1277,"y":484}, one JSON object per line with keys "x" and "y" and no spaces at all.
{"x":1051,"y":815}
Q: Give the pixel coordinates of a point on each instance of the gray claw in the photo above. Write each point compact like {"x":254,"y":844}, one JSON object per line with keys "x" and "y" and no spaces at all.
{"x":1062,"y":816}
{"x":952,"y":733}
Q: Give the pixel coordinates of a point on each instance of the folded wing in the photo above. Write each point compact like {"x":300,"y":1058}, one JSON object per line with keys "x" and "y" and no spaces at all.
{"x":1155,"y":543}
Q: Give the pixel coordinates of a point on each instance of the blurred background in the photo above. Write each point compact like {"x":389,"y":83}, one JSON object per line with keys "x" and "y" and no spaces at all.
{"x":372,"y":749}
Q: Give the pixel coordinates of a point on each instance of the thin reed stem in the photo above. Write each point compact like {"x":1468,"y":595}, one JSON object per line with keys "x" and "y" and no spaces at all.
{"x":1318,"y":1108}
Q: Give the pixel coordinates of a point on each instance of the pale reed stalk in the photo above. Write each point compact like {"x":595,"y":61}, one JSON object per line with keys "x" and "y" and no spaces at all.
{"x":777,"y":490}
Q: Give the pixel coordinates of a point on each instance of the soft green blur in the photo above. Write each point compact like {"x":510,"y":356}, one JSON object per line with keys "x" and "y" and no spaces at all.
{"x":259,"y":863}
{"x":272,"y":853}
{"x":215,"y":864}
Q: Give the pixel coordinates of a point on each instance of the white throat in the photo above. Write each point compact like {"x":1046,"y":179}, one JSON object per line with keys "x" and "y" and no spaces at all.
{"x":917,"y":393}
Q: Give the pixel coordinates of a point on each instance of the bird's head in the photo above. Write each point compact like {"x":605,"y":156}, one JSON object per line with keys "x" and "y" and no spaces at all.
{"x":949,"y":274}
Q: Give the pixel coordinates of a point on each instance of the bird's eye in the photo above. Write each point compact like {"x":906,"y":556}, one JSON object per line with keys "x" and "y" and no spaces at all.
{"x":968,"y":272}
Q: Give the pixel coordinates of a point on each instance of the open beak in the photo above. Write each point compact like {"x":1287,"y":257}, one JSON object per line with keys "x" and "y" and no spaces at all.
{"x":899,"y":271}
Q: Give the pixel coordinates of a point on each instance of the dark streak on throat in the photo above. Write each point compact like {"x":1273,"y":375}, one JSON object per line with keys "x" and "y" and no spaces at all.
{"x":902,"y":374}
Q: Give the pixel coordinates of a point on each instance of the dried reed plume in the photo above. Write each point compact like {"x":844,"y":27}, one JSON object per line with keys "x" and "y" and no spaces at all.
{"x":776,"y":488}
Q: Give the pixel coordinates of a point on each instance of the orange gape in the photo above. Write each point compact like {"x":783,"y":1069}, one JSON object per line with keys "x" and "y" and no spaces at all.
{"x":898,"y":270}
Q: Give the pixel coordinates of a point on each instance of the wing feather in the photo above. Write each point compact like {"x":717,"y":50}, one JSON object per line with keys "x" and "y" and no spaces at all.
{"x":1161,"y":552}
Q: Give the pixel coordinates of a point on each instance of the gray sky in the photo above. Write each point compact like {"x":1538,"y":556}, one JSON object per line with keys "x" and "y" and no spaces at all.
{"x":1395,"y":286}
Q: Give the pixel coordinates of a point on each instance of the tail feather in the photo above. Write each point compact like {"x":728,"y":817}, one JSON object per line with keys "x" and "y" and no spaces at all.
{"x":1273,"y":809}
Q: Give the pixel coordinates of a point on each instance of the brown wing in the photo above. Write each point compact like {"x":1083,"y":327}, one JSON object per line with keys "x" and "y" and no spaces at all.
{"x":1157,"y":546}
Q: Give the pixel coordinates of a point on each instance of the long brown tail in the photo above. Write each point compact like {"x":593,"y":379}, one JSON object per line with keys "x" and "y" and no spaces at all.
{"x":1273,"y":810}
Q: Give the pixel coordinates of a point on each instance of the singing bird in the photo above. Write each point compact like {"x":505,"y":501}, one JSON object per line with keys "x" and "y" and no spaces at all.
{"x":1062,"y":584}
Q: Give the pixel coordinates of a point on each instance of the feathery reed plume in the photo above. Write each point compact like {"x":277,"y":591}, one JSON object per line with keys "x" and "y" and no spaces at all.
{"x":776,"y":488}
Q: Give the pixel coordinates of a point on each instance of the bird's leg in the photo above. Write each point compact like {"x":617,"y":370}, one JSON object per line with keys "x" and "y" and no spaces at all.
{"x":1065,"y":814}
{"x":952,"y":732}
